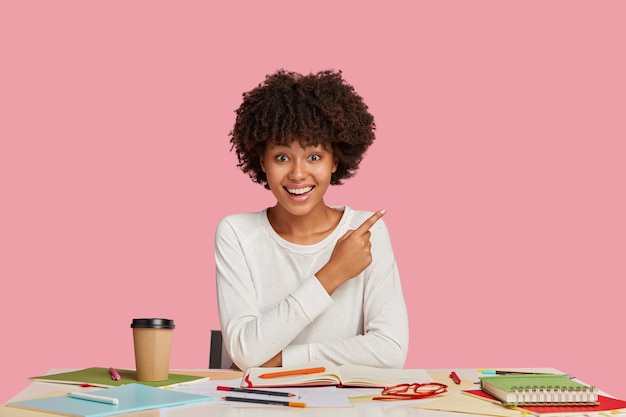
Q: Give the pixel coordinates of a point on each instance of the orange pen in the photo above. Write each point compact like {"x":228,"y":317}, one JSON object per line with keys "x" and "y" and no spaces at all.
{"x":294,"y":372}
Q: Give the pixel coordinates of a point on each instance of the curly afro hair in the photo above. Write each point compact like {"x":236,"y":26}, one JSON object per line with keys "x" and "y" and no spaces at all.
{"x":313,"y":109}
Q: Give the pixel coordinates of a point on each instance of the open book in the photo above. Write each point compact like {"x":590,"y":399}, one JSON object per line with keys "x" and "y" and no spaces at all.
{"x":319,"y":373}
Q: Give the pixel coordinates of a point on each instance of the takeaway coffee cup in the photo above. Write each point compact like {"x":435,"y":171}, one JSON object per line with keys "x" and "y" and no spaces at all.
{"x":153,"y":341}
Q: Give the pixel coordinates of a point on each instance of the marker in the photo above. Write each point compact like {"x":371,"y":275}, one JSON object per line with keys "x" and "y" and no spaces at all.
{"x":267,"y":402}
{"x":94,"y":398}
{"x":455,"y":377}
{"x":114,"y":374}
{"x":505,"y":372}
{"x":255,"y":391}
{"x":294,"y":372}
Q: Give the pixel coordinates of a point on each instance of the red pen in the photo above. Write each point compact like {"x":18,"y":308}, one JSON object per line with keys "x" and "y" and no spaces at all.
{"x":455,"y":377}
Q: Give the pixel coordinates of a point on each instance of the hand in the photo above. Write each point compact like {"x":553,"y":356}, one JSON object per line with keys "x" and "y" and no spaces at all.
{"x":351,"y":255}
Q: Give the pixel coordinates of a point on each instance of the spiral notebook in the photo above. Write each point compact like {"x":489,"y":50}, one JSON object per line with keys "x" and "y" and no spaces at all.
{"x":557,"y":390}
{"x":613,"y":405}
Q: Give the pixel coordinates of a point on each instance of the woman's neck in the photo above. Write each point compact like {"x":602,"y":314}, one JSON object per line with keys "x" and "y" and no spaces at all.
{"x":307,"y":229}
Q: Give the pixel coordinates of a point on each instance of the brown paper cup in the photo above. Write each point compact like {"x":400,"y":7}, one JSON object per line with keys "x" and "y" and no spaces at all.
{"x":153,"y":341}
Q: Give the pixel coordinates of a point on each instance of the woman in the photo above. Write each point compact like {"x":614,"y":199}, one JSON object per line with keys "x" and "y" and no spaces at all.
{"x":302,"y":281}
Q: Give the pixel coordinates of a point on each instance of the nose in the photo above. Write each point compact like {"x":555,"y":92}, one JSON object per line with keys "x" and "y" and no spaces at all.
{"x":298,"y":171}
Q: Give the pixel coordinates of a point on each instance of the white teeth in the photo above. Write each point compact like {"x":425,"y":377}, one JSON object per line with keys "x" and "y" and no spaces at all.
{"x":299,"y":191}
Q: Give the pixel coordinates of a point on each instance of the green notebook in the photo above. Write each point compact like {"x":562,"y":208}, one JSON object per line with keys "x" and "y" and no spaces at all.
{"x":131,"y":397}
{"x":100,"y":377}
{"x":539,"y":390}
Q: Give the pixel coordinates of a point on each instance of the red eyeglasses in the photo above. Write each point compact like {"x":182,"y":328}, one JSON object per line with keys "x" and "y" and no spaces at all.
{"x":413,"y":391}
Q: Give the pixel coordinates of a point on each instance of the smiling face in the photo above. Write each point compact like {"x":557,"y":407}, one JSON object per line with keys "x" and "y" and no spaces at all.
{"x":297,"y":175}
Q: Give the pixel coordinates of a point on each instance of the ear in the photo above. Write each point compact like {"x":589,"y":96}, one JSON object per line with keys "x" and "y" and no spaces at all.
{"x":262,"y":162}
{"x":335,"y":164}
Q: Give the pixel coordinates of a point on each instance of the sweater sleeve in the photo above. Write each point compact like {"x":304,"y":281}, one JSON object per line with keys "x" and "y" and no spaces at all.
{"x":384,"y":342}
{"x":254,"y":335}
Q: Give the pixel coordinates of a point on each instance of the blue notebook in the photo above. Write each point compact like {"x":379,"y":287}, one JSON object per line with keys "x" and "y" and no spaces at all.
{"x":131,"y":397}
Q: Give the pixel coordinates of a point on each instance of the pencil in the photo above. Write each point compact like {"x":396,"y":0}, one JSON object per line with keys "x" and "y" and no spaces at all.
{"x":293,"y":372}
{"x":255,"y":391}
{"x":266,"y":402}
{"x":506,"y":372}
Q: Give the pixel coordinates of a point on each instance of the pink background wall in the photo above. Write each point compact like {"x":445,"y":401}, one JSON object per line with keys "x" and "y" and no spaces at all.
{"x":500,"y":159}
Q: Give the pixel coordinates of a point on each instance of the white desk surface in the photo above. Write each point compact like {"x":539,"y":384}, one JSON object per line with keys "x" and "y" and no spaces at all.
{"x":386,"y":409}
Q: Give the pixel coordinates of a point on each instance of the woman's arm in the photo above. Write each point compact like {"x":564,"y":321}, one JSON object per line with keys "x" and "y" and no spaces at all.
{"x":255,"y":334}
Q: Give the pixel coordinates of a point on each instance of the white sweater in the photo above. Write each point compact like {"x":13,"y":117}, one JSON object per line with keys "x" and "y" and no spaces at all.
{"x":269,"y":299}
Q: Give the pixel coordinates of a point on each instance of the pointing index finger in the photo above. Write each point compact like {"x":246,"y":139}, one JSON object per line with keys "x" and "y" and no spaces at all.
{"x":367,"y":224}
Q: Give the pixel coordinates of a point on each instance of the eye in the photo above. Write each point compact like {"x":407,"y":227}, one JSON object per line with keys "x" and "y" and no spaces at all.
{"x":281,"y":158}
{"x":315,"y":157}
